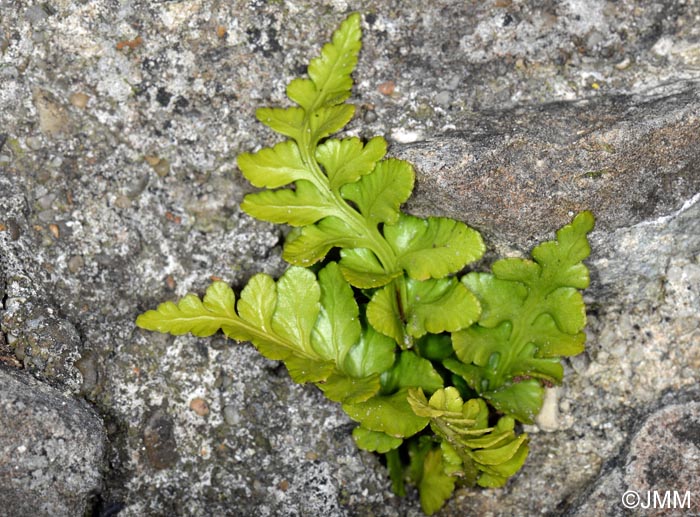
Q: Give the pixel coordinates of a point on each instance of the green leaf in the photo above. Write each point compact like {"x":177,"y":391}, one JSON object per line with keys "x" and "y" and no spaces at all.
{"x":551,"y":342}
{"x":330,"y":72}
{"x":192,"y":315}
{"x":319,"y":318}
{"x":453,"y":465}
{"x":532,"y":315}
{"x":497,"y":475}
{"x":500,"y":300}
{"x":303,"y":92}
{"x":326,"y":121}
{"x":257,"y":306}
{"x":396,"y":471}
{"x":557,"y":263}
{"x":309,"y":244}
{"x":341,"y":388}
{"x":565,"y":306}
{"x":437,"y":306}
{"x":501,"y":454}
{"x":285,"y":315}
{"x":473,"y":451}
{"x":361,"y":269}
{"x":321,"y":113}
{"x":285,"y":333}
{"x":385,"y":313}
{"x":375,"y":441}
{"x":409,"y":307}
{"x":274,"y":167}
{"x":286,"y":121}
{"x":563,"y":303}
{"x":337,"y":336}
{"x":489,"y":440}
{"x":435,"y":347}
{"x":483,"y":352}
{"x":344,"y":194}
{"x":483,"y":348}
{"x":444,"y":402}
{"x":390,"y":414}
{"x":300,"y":207}
{"x":509,"y":329}
{"x":304,"y":370}
{"x":411,"y":371}
{"x":346,"y":161}
{"x":448,"y":401}
{"x":435,"y":486}
{"x":433,"y":247}
{"x":338,"y":327}
{"x":486,"y":348}
{"x":372,"y":354}
{"x":379,"y":195}
{"x":297,"y":308}
{"x":428,"y":470}
{"x":277,"y":318}
{"x":417,"y":450}
{"x":320,"y":97}
{"x":258,"y":301}
{"x":523,"y":400}
{"x":561,"y":259}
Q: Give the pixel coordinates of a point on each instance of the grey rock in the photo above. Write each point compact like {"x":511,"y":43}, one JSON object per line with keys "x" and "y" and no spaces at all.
{"x":659,"y":469}
{"x":522,"y":173}
{"x":52,"y":449}
{"x":45,"y":343}
{"x":146,"y":198}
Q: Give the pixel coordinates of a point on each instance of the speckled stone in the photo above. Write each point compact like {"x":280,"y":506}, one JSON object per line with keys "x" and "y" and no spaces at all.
{"x":662,"y":457}
{"x":129,"y":115}
{"x":52,"y":449}
{"x":520,"y":174}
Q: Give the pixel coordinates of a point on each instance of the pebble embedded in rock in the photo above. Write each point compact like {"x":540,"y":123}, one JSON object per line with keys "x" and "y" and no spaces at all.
{"x":122,"y":202}
{"x":53,"y":119}
{"x":160,"y":165}
{"x":159,"y":440}
{"x":34,"y":143}
{"x":199,"y":406}
{"x":14,"y":229}
{"x":548,"y":418}
{"x":47,"y":200}
{"x":75,"y":263}
{"x":79,"y":99}
{"x":231,"y":415}
{"x":443,"y":98}
{"x":387,"y":88}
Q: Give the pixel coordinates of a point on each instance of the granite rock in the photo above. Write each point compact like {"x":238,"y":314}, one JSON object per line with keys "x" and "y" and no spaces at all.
{"x":657,"y":472}
{"x":52,"y":449}
{"x":521,"y":173}
{"x":43,"y":342}
{"x":120,"y":123}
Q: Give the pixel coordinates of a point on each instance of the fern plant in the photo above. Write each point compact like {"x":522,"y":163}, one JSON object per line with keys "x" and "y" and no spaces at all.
{"x":436,"y":369}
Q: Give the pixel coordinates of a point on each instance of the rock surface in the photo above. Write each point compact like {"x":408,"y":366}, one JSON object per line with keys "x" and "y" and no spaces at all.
{"x":119,"y":127}
{"x":626,"y":158}
{"x":52,"y":449}
{"x":663,"y":457}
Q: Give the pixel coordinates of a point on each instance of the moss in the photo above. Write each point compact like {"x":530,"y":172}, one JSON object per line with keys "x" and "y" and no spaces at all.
{"x":596,"y":174}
